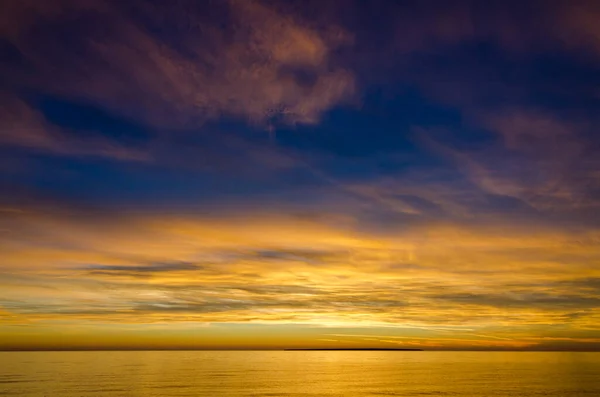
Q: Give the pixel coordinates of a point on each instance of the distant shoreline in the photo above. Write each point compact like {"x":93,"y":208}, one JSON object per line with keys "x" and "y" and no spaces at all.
{"x":357,"y":349}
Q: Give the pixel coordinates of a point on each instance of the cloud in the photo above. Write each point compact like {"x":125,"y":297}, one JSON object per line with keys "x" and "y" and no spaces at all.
{"x":521,"y":28}
{"x":247,"y":60}
{"x":523,"y":300}
{"x":577,"y":27}
{"x":268,"y":269}
{"x":539,"y":159}
{"x":551,"y":156}
{"x":23,"y":126}
{"x":141,"y":270}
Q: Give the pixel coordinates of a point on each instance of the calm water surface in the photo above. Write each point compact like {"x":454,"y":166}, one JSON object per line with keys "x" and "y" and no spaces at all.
{"x":260,"y":373}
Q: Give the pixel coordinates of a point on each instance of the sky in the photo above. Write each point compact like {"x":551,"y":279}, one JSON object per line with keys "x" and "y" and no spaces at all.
{"x":239,"y":174}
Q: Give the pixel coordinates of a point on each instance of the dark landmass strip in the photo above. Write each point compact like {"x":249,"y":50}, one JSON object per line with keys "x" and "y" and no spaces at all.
{"x":357,"y":349}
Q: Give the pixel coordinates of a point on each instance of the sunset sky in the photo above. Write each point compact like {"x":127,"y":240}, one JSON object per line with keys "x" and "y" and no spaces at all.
{"x":284,"y":174}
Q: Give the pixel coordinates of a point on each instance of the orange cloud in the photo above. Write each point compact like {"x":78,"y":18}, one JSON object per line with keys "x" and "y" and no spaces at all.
{"x":269,"y":269}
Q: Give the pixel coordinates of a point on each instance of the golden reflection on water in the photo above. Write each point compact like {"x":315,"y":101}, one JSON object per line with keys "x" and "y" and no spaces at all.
{"x":279,"y":373}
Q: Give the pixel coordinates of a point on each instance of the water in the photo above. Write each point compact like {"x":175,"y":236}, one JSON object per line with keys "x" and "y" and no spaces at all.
{"x":279,"y":373}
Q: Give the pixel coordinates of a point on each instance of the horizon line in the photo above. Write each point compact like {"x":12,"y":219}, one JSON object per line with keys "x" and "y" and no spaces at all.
{"x":8,"y":350}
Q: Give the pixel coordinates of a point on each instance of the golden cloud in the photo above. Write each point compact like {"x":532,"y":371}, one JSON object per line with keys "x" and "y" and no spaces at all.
{"x":269,"y":269}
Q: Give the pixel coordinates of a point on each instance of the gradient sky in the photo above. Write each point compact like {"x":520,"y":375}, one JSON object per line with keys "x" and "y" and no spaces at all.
{"x":327,"y":173}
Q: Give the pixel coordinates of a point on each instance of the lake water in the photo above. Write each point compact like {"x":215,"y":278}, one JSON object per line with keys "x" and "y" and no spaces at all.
{"x":281,"y":373}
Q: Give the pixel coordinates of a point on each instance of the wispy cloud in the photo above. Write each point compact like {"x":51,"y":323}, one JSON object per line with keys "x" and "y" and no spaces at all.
{"x":259,"y":65}
{"x":541,"y":160}
{"x":268,"y":272}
